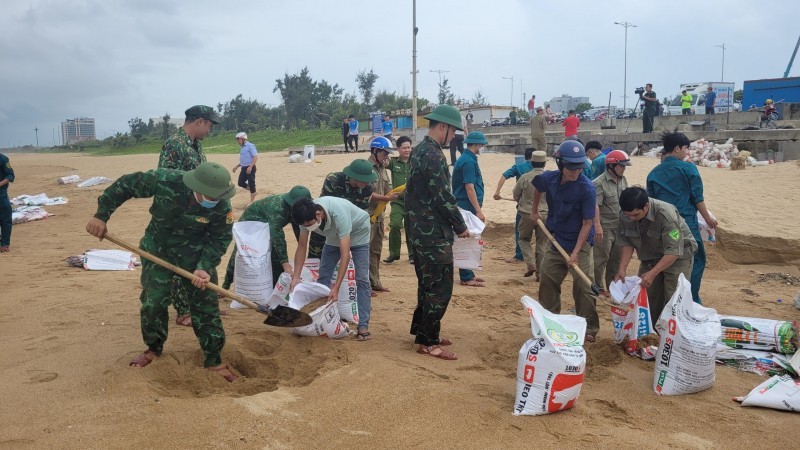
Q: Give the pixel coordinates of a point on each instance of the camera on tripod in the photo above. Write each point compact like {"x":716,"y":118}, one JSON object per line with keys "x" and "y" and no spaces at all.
{"x":639,"y":91}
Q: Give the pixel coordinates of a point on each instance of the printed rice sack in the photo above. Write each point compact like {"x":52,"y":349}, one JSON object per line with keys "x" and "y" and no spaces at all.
{"x":252,"y":275}
{"x":551,"y":364}
{"x":326,"y":321}
{"x":685,"y":362}
{"x":468,"y":251}
{"x":348,"y":303}
{"x":760,"y":334}
{"x":631,"y":317}
{"x":779,"y":392}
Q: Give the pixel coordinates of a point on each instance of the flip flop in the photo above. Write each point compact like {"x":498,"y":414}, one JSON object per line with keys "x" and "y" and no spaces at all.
{"x":472,"y":283}
{"x":363,"y":335}
{"x":445,"y":341}
{"x":443,"y":354}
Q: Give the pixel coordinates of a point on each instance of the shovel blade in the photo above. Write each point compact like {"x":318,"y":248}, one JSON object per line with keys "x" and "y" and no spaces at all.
{"x":283,"y":316}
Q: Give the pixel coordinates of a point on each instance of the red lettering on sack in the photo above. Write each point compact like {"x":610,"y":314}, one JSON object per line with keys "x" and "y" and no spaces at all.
{"x":532,"y":358}
{"x":672,"y":326}
{"x":528,"y":375}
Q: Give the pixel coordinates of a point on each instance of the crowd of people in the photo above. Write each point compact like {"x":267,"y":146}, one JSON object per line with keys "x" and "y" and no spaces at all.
{"x":585,"y":206}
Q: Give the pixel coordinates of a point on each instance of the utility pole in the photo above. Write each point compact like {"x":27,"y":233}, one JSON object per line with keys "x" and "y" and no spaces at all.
{"x":722,"y":76}
{"x":512,"y":89}
{"x":414,"y":73}
{"x":625,"y":25}
{"x":440,"y":72}
{"x":54,"y":137}
{"x":37,"y":135}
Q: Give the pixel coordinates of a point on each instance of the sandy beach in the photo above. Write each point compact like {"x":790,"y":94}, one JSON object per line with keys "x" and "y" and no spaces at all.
{"x":67,"y":335}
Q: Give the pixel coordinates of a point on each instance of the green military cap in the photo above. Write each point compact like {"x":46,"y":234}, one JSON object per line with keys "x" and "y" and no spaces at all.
{"x":211,"y":180}
{"x":446,"y":114}
{"x":538,"y":156}
{"x":476,"y":137}
{"x":202,"y":112}
{"x":296,"y":193}
{"x":361,"y":170}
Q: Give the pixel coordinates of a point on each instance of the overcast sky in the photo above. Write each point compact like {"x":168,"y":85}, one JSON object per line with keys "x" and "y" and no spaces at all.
{"x":114,"y":59}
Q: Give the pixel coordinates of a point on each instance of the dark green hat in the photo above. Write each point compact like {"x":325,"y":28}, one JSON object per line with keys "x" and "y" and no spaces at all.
{"x":446,"y":114}
{"x":202,"y":112}
{"x":211,"y":180}
{"x":361,"y":170}
{"x":476,"y":137}
{"x":296,"y":193}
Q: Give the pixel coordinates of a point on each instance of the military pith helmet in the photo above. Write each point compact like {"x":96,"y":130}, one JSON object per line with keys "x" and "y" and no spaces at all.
{"x":538,"y":156}
{"x":476,"y":137}
{"x":361,"y":170}
{"x":446,"y":114}
{"x":211,"y":180}
{"x":202,"y":112}
{"x":295,"y":194}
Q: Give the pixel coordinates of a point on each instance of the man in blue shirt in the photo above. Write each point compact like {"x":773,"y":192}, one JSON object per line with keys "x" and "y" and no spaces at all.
{"x":468,"y":191}
{"x":571,"y":206}
{"x":678,"y":182}
{"x":594,"y":151}
{"x":387,"y":127}
{"x":248,"y":155}
{"x":516,"y":171}
{"x":711,"y":100}
{"x":352,"y":134}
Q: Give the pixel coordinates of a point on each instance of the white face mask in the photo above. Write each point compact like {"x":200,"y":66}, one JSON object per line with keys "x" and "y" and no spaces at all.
{"x":312,"y":227}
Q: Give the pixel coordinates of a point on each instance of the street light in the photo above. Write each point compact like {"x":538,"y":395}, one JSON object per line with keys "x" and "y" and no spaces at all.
{"x":512,"y":89}
{"x":625,"y":25}
{"x":722,"y":77}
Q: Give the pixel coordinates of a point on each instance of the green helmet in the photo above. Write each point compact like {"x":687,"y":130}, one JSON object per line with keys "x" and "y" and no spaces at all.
{"x":211,"y":180}
{"x":476,"y":137}
{"x":295,"y":194}
{"x":446,"y":114}
{"x":361,"y":170}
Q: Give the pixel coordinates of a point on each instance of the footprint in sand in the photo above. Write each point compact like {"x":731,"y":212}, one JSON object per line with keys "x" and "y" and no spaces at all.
{"x":40,"y":376}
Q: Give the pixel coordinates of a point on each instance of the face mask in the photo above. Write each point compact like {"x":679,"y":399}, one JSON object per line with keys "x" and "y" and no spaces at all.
{"x":312,"y":227}
{"x":207,"y":203}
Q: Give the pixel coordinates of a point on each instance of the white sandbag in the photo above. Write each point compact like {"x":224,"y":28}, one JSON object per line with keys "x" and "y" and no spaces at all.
{"x":296,"y":158}
{"x":779,"y":392}
{"x":28,"y":214}
{"x":551,"y":365}
{"x":348,"y":302}
{"x":108,"y":260}
{"x":69,"y":179}
{"x":707,"y":233}
{"x":632,"y":317}
{"x":326,"y":321}
{"x":252,"y":275}
{"x":685,"y":362}
{"x":760,"y":334}
{"x":468,"y":251}
{"x":94,"y":181}
{"x":37,"y":200}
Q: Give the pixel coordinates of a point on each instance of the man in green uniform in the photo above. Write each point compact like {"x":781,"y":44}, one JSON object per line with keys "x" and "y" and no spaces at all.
{"x":523,"y":194}
{"x":183,"y":151}
{"x":6,"y":178}
{"x":538,"y":125}
{"x":380,"y":148}
{"x":662,"y":240}
{"x":432,"y":218}
{"x":191,"y":228}
{"x":607,"y":188}
{"x":276,"y":211}
{"x":354,"y":184}
{"x":399,"y":170}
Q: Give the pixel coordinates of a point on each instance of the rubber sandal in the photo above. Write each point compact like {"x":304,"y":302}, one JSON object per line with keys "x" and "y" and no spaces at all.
{"x":472,"y":283}
{"x":445,"y":341}
{"x":589,"y":338}
{"x":529,"y":272}
{"x":363,"y":335}
{"x":479,"y":280}
{"x":230,"y":377}
{"x":443,"y":354}
{"x":144,"y":359}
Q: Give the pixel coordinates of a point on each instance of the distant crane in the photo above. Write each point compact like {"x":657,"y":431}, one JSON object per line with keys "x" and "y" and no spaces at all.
{"x":794,"y":53}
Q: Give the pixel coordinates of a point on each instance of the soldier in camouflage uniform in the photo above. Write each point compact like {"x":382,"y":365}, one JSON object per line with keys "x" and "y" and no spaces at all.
{"x":353,"y":184}
{"x":183,"y":151}
{"x":191,"y":228}
{"x":380,"y":148}
{"x":275,"y":210}
{"x":399,"y":170}
{"x":431,"y":220}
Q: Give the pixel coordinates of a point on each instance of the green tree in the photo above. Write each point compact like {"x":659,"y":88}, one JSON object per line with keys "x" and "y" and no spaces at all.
{"x":165,"y":120}
{"x":583,"y":107}
{"x":307,"y":102}
{"x":478,"y":99}
{"x":366,"y":84}
{"x":445,"y":95}
{"x":738,"y":95}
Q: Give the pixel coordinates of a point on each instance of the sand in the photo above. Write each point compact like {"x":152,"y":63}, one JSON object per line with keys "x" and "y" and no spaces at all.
{"x":67,"y":335}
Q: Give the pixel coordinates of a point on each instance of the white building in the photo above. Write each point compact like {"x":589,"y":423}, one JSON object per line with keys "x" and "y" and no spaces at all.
{"x":77,"y":130}
{"x":565,"y":103}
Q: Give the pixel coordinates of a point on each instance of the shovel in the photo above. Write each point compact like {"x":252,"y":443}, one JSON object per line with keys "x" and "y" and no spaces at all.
{"x":280,"y":316}
{"x":595,"y":288}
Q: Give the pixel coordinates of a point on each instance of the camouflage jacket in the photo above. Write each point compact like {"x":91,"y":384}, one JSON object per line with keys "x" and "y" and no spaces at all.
{"x":336,"y":185}
{"x":181,"y":152}
{"x":178,"y":223}
{"x":277,"y":213}
{"x":430,"y":207}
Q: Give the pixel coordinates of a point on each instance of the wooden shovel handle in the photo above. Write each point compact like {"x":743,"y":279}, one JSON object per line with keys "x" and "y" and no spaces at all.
{"x":595,"y":288}
{"x":184,"y":273}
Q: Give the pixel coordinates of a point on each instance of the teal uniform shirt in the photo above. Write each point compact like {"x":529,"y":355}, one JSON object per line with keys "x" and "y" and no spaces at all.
{"x":678,"y":183}
{"x":467,"y":171}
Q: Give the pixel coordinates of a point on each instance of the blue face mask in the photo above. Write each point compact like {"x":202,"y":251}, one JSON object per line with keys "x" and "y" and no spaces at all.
{"x":205,"y":203}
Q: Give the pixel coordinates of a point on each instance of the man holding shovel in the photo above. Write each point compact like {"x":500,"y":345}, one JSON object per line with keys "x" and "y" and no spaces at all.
{"x":571,"y":208}
{"x":190,"y":227}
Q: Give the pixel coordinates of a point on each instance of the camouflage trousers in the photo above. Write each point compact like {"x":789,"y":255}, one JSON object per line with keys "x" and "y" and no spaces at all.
{"x":179,"y":295}
{"x":157,"y":289}
{"x":315,"y":243}
{"x":434,"y":268}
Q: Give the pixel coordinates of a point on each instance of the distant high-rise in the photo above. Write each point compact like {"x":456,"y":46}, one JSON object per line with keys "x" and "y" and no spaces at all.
{"x":77,"y":130}
{"x":565,"y":103}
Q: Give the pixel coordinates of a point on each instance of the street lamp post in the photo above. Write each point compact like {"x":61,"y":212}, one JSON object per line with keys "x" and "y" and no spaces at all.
{"x":722,"y":76}
{"x":414,"y":74}
{"x":625,"y":25}
{"x":512,"y":89}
